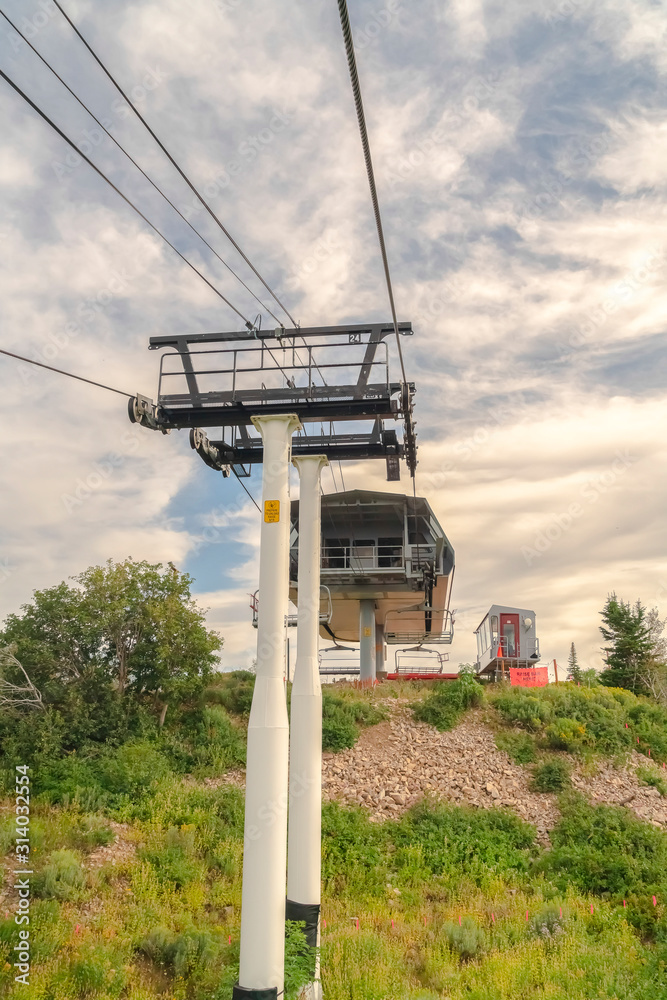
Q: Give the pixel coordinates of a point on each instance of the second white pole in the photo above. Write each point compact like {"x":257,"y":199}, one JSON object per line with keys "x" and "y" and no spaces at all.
{"x":304,"y":857}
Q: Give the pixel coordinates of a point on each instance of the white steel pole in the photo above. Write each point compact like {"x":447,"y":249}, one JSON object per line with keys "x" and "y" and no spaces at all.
{"x":262,"y":966}
{"x":304,"y":857}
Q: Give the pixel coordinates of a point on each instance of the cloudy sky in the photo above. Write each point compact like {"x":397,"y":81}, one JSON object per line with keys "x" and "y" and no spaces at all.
{"x":520,"y":151}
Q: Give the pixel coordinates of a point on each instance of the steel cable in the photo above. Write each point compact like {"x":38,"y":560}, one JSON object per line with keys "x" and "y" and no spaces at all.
{"x":111,"y":184}
{"x":171,"y":159}
{"x":134,"y":162}
{"x":60,"y":371}
{"x":365,"y":142}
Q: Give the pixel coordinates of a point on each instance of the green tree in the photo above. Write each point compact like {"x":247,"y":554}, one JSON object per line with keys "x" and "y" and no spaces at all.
{"x":59,"y":644}
{"x":58,"y":641}
{"x":627,"y":648}
{"x":129,"y":630}
{"x":573,"y":665}
{"x":156,"y":641}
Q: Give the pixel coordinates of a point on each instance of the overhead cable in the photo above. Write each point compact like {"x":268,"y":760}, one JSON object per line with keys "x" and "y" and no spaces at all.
{"x":140,"y":169}
{"x":134,"y":162}
{"x":365,"y":142}
{"x":104,"y":177}
{"x":171,"y":159}
{"x":246,"y":489}
{"x":60,"y":371}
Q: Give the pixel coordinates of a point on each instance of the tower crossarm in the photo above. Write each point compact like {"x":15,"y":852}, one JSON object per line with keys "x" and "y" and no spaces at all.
{"x":323,"y":375}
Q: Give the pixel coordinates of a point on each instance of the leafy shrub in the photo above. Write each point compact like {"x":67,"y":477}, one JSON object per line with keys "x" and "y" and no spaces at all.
{"x":338,"y":732}
{"x":96,"y":777}
{"x":352,"y":851}
{"x":50,"y":930}
{"x":95,"y":970}
{"x":341,"y":719}
{"x":233,"y":691}
{"x":446,"y":841}
{"x":175,"y":859}
{"x":216,"y":813}
{"x":300,"y":959}
{"x":227,"y":859}
{"x":133,"y":767}
{"x":62,"y":877}
{"x":519,"y":746}
{"x":607,"y":851}
{"x":645,"y":918}
{"x":460,"y":840}
{"x":652,"y":779}
{"x":467,"y":938}
{"x":445,"y":706}
{"x":85,"y":800}
{"x":183,"y":953}
{"x":206,"y":740}
{"x":90,"y":832}
{"x":524,"y":709}
{"x":547,"y":923}
{"x":566,"y":734}
{"x":649,"y":724}
{"x":363,"y":713}
{"x":72,"y":780}
{"x":575,"y":719}
{"x":552,"y":776}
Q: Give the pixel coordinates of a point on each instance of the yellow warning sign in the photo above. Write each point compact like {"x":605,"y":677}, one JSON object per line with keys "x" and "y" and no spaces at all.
{"x":367,"y":632}
{"x":271,"y":511}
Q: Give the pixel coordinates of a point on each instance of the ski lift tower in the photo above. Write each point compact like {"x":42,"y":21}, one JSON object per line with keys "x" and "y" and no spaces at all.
{"x":243,"y":395}
{"x":387,"y":566}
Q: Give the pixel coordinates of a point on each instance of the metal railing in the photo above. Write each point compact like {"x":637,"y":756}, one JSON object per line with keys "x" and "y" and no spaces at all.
{"x":425,"y":661}
{"x":285,"y":364}
{"x":410,"y":625}
{"x":500,"y":648}
{"x":357,"y":557}
{"x":421,"y":556}
{"x":340,"y":666}
{"x":325,"y":615}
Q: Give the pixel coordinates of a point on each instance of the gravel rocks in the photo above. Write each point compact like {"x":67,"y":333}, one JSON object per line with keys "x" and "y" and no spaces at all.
{"x":119,"y":851}
{"x":620,"y":786}
{"x":398,"y":762}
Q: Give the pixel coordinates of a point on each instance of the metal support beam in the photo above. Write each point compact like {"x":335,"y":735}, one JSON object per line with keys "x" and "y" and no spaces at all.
{"x":338,"y":448}
{"x":352,"y":330}
{"x":367,"y":641}
{"x":174,"y":416}
{"x":305,"y":779}
{"x":262,"y":960}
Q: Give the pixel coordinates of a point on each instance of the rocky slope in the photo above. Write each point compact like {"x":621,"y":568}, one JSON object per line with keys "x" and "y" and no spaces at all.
{"x":397,"y":762}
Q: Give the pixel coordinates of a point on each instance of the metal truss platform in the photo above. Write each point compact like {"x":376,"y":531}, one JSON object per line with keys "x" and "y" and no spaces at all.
{"x":322,"y":374}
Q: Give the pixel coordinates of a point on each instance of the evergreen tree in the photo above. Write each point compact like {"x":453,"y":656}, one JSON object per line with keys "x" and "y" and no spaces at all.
{"x":573,"y":665}
{"x":628,"y":645}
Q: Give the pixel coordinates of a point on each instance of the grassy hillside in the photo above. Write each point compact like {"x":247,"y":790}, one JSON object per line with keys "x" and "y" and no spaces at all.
{"x":139,"y":868}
